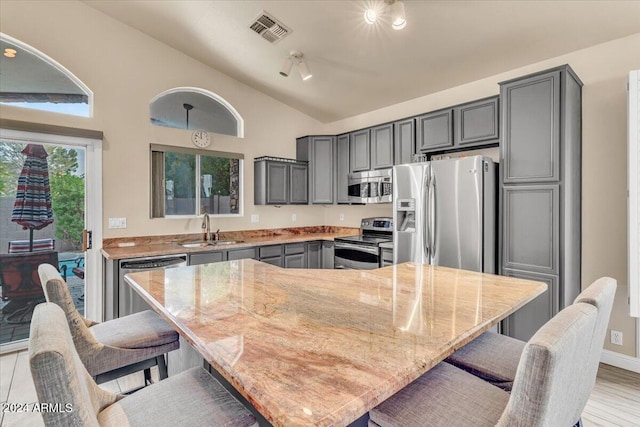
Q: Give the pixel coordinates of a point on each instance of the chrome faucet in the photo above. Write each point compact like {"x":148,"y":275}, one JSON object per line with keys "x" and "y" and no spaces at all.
{"x":206,"y":225}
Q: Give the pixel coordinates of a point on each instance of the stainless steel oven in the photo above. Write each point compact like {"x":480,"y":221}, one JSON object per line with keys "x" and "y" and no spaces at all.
{"x":362,"y":252}
{"x":370,"y":186}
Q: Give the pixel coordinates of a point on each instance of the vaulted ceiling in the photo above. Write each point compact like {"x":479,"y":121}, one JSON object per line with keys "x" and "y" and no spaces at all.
{"x":359,"y":67}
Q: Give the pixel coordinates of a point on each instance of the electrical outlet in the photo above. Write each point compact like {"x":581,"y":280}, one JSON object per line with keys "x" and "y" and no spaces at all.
{"x":294,"y":218}
{"x":341,"y":217}
{"x":255,"y":218}
{"x":616,"y":337}
{"x":117,"y":222}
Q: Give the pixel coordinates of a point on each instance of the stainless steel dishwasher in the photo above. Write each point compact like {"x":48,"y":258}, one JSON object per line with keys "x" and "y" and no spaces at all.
{"x":129,"y":301}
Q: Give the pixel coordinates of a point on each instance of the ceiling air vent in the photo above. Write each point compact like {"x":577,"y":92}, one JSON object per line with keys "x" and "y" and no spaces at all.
{"x":269,"y":28}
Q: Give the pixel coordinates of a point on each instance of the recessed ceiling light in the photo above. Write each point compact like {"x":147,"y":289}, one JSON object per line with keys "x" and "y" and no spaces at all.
{"x":10,"y":53}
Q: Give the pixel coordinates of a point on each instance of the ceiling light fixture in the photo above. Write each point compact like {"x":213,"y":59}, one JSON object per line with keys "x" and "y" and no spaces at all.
{"x":296,"y":57}
{"x":10,"y":53}
{"x":395,"y":8}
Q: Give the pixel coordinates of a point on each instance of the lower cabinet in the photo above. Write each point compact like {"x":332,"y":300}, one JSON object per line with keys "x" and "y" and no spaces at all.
{"x":295,"y":255}
{"x":314,"y":255}
{"x":527,"y":320}
{"x":243,"y":253}
{"x":327,"y":255}
{"x":386,"y":257}
{"x":206,"y":257}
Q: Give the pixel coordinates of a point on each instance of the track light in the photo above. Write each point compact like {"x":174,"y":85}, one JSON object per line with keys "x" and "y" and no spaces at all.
{"x":286,"y":67}
{"x":395,"y":8}
{"x":296,"y":57}
{"x":398,"y":18}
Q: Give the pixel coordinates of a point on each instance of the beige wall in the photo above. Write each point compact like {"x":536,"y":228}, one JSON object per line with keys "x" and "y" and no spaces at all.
{"x":125,"y":69}
{"x":603,"y":69}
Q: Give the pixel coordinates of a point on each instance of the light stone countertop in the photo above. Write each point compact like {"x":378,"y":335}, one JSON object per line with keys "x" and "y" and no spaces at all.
{"x":245,"y":240}
{"x":322,"y":347}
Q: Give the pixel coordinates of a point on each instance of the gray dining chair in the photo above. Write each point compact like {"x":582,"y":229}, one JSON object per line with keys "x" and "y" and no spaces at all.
{"x":494,"y":357}
{"x":117,"y":347}
{"x":73,"y":398}
{"x":553,"y":381}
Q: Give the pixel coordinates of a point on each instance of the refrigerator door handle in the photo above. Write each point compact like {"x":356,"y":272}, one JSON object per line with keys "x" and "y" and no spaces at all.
{"x":425,"y":219}
{"x":432,"y":215}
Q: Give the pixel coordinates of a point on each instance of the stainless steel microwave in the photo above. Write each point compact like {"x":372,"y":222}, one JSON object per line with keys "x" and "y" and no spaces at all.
{"x":370,"y":186}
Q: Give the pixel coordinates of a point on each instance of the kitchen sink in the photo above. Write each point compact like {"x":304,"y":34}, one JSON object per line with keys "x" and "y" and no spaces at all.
{"x":211,"y":243}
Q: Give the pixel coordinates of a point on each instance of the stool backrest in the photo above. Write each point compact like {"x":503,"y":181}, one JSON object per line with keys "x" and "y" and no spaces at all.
{"x":57,"y":292}
{"x":551,"y":369}
{"x":59,"y":376}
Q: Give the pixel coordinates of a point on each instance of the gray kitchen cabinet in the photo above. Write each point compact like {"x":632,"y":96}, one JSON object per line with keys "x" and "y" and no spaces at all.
{"x":298,"y":181}
{"x":314,"y":254}
{"x":320,"y":152}
{"x":271,"y":254}
{"x":386,"y":257}
{"x":327,"y":255}
{"x":342,"y":168}
{"x":359,"y":151}
{"x":277,"y":261}
{"x":530,"y":227}
{"x":295,"y":255}
{"x":404,"y":141}
{"x":540,"y":197}
{"x":382,"y":146}
{"x":207,"y":257}
{"x":295,"y":261}
{"x":531,"y":149}
{"x":243,"y":253}
{"x":434,"y":131}
{"x":527,"y":320}
{"x":476,"y":122}
{"x":279,"y":182}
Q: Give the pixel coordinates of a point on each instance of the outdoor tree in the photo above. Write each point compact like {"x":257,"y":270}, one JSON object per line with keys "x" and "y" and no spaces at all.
{"x":67,"y":187}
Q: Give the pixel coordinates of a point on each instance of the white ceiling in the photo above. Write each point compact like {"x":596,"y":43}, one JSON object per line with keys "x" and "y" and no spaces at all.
{"x":359,"y":67}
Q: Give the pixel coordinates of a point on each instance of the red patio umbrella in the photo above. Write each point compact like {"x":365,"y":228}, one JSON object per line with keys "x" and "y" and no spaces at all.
{"x":32,"y":207}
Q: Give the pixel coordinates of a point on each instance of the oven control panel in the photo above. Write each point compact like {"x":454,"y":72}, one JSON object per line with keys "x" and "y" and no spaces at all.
{"x":377,"y":224}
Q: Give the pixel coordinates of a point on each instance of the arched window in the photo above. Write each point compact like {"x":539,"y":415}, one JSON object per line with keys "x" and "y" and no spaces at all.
{"x":194,"y":108}
{"x":30,"y":79}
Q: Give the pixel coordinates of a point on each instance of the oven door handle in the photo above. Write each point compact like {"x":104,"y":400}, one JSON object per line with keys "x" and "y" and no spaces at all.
{"x":360,"y":248}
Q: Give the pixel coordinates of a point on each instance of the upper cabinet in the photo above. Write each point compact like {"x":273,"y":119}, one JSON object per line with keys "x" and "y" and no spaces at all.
{"x":320,"y":152}
{"x":531,"y":147}
{"x":404,"y":141}
{"x":382,"y":147}
{"x":359,"y":151}
{"x":435,"y":130}
{"x":279,"y":182}
{"x":342,"y":169}
{"x":476,"y":122}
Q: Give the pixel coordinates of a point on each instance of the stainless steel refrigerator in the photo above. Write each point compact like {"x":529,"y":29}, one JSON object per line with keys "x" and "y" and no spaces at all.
{"x":444,"y":213}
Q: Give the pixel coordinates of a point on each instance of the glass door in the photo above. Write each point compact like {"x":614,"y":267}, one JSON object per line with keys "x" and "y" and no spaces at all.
{"x":42,"y":218}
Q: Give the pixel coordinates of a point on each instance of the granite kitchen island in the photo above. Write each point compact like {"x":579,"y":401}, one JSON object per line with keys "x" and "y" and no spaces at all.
{"x":322,"y":347}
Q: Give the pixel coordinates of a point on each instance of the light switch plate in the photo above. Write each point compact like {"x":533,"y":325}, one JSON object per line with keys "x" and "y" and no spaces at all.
{"x":341,"y":217}
{"x":294,"y":217}
{"x":117,"y":222}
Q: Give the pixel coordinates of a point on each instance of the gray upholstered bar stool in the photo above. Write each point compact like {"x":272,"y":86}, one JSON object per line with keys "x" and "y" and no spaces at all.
{"x":553,"y":382}
{"x":192,"y":397}
{"x":117,"y":347}
{"x":494,"y":357}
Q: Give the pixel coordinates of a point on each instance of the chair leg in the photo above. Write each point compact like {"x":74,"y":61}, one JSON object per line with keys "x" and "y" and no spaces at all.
{"x":162,"y":367}
{"x":147,"y":377}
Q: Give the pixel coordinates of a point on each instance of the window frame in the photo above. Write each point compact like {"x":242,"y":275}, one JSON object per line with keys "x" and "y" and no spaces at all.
{"x":157,"y":187}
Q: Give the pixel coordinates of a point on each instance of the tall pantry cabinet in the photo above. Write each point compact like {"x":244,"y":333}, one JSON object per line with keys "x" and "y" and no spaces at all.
{"x":540,"y":191}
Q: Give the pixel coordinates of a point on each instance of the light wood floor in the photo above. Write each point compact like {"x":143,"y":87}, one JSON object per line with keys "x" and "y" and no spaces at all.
{"x":615,"y":400}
